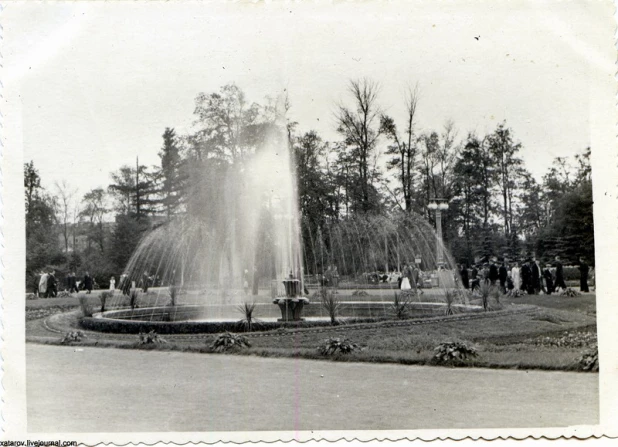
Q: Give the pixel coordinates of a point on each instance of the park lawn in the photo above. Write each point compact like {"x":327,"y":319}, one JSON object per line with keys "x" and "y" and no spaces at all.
{"x":506,"y":340}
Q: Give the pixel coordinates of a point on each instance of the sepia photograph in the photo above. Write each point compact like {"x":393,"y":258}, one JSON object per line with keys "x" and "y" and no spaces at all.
{"x":273,"y":220}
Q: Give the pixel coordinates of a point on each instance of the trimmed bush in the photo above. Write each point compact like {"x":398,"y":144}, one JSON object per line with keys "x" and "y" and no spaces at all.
{"x":453,"y":353}
{"x":589,"y":361}
{"x":151,"y":338}
{"x":516,"y":293}
{"x":230,"y":342}
{"x":359,"y":293}
{"x":337,"y":346}
{"x":569,"y":292}
{"x":73,"y":336}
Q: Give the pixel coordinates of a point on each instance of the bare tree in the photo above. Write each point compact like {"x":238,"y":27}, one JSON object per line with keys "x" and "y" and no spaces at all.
{"x":360,"y":128}
{"x":404,"y":147}
{"x":66,"y":205}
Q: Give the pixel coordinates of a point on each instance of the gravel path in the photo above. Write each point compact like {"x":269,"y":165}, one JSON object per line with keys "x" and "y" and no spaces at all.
{"x":72,"y":389}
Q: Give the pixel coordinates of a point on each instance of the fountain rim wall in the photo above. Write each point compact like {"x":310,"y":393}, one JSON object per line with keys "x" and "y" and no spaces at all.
{"x":108,"y":321}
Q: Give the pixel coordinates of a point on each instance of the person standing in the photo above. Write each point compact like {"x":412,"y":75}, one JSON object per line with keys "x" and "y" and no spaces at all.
{"x":584,"y":269}
{"x":112,"y":284}
{"x":549,"y":282}
{"x":413,"y":276}
{"x":405,"y":280}
{"x":145,"y":282}
{"x":465,"y":279}
{"x":245,"y":282}
{"x":502,"y":275}
{"x":88,"y":283}
{"x":559,"y":274}
{"x":516,"y":276}
{"x":43,"y":285}
{"x":73,"y":283}
{"x":493,"y":273}
{"x":525,"y":275}
{"x":52,"y":285}
{"x":535,"y":278}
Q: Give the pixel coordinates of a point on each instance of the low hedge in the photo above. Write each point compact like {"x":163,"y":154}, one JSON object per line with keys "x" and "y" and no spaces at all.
{"x":200,"y":327}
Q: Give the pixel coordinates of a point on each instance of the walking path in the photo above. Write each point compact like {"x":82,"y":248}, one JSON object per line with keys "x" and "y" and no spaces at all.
{"x":74,"y":389}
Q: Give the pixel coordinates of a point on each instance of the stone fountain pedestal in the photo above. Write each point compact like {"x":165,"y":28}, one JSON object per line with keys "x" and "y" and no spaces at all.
{"x":292,"y":304}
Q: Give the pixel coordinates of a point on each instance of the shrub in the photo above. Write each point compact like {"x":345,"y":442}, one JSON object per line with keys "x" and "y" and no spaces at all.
{"x":453,"y":353}
{"x":450,"y":298}
{"x":104,"y":296}
{"x":589,"y":361}
{"x":247,"y":310}
{"x":85,"y":306}
{"x":133,"y":295}
{"x":330,"y":303}
{"x":230,"y":342}
{"x":359,"y":293}
{"x":73,"y":336}
{"x":63,"y":294}
{"x":569,"y":292}
{"x":151,"y":338}
{"x":515,"y":293}
{"x":486,"y":291}
{"x":401,"y":304}
{"x":337,"y":345}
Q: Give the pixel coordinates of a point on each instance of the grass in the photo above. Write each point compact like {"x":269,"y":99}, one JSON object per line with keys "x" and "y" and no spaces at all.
{"x":503,"y":340}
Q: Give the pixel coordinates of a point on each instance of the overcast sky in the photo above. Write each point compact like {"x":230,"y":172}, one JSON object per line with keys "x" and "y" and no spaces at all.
{"x":99,"y":82}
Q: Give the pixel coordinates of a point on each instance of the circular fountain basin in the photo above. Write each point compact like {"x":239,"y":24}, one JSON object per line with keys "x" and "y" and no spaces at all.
{"x":192,"y":319}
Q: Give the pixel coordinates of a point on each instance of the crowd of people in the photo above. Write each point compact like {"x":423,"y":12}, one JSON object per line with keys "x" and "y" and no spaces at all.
{"x":528,"y":275}
{"x":46,"y":284}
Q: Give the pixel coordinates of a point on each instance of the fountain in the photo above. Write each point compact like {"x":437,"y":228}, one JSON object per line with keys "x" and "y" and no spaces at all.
{"x":242,"y":230}
{"x":292,"y":304}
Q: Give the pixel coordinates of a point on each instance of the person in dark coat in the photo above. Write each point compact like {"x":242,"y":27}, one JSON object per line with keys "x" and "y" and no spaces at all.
{"x":465,"y":280}
{"x":88,"y":282}
{"x":549,"y":281}
{"x":145,"y":282}
{"x":584,"y":270}
{"x":52,"y":286}
{"x":525,"y":276}
{"x":125,"y":284}
{"x":502,"y":276}
{"x":559,"y":274}
{"x":73,"y":283}
{"x":535,"y":278}
{"x":493,"y":273}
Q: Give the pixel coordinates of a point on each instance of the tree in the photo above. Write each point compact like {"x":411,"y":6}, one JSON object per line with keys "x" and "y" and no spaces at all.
{"x":134,"y":189}
{"x":42,"y":248}
{"x":66,"y":205}
{"x":93,"y":211}
{"x":470,"y":196}
{"x":508,"y":165}
{"x":170,"y":174}
{"x":403,"y":148}
{"x":360,"y":128}
{"x":225,"y":122}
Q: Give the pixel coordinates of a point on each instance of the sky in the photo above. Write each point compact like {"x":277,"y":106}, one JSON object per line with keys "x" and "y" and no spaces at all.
{"x":99,"y":82}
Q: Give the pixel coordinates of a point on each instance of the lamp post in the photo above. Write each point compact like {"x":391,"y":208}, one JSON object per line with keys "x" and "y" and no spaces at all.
{"x":438,"y":205}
